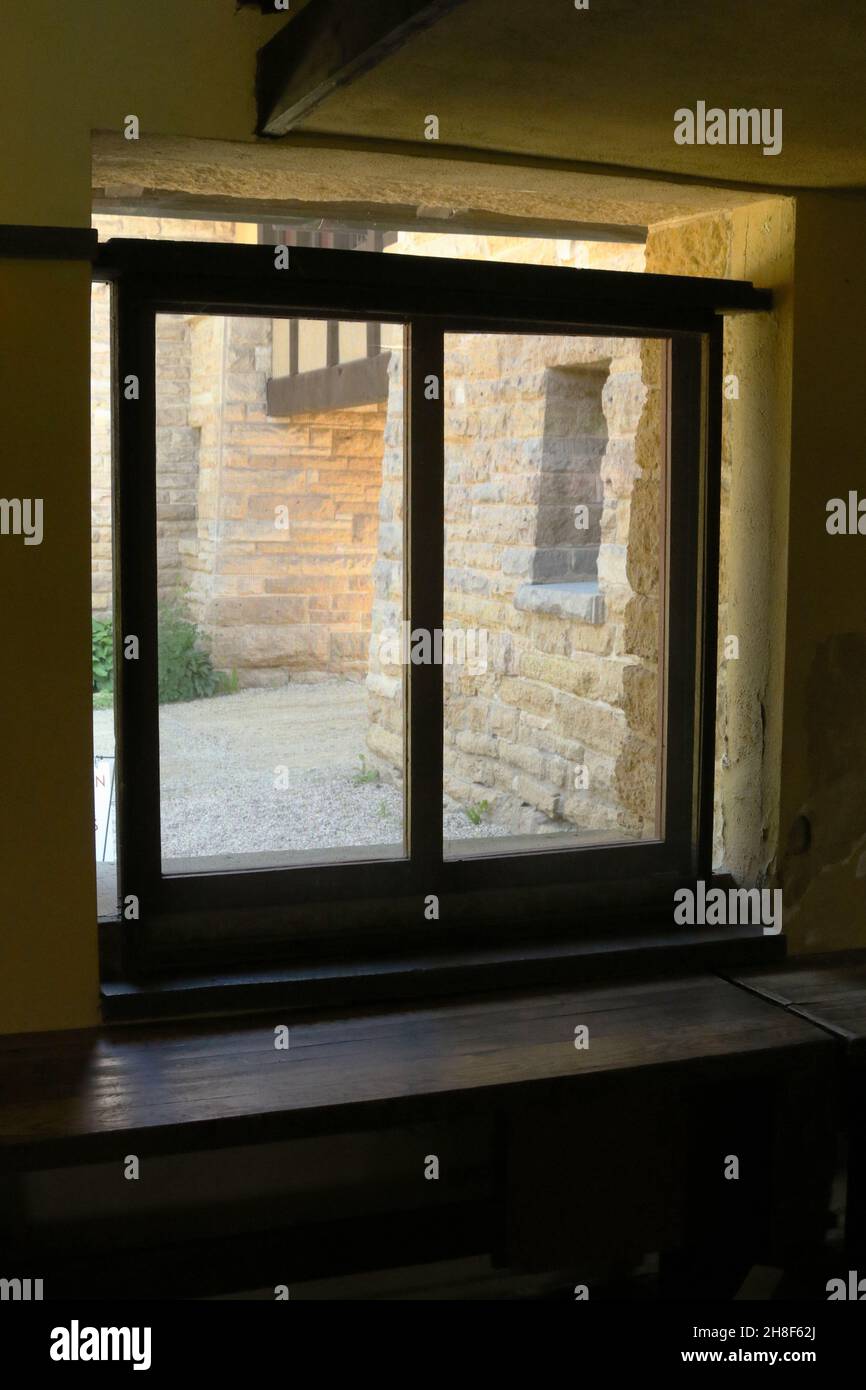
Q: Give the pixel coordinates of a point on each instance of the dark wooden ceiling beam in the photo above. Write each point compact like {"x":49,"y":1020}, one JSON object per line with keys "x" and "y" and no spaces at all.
{"x":328,"y":45}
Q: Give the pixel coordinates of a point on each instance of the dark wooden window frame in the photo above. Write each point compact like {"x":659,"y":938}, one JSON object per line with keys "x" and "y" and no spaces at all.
{"x":363,"y":911}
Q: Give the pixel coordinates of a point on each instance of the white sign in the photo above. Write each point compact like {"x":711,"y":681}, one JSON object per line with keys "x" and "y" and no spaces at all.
{"x":103,"y":803}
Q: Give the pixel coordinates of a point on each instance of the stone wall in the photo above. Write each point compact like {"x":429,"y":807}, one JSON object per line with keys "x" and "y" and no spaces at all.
{"x":100,"y":453}
{"x":177,"y":450}
{"x":558,"y":730}
{"x":752,"y":243}
{"x":176,"y":440}
{"x":635,"y":773}
{"x":277,"y":594}
{"x":280,"y":561}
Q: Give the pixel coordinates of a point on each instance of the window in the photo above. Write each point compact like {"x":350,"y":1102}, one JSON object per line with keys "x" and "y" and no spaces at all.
{"x":322,"y":362}
{"x":267,"y":542}
{"x":484,"y":604}
{"x":555,"y":475}
{"x":102,"y":589}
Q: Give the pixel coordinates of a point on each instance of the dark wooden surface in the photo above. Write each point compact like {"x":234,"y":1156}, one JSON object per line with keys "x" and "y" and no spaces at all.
{"x":226,"y":1262}
{"x":367,"y":285}
{"x":435,"y":296}
{"x":829,"y":991}
{"x":327,"y":45}
{"x":75,"y":1097}
{"x":48,"y":243}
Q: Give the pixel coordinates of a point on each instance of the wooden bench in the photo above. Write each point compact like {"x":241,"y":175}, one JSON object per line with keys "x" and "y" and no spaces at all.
{"x":830,"y":993}
{"x":587,"y":1154}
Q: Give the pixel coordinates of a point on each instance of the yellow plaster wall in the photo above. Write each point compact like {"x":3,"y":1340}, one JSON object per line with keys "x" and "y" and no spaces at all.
{"x":182,"y":66}
{"x":48,"y":965}
{"x":823,"y":870}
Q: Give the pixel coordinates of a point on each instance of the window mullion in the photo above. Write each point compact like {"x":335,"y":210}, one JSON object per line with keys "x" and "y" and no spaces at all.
{"x":693,"y":519}
{"x":424,"y":536}
{"x":136,"y":602}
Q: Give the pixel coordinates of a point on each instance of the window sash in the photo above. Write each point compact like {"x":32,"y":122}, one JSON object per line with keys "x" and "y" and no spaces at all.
{"x":432,"y":299}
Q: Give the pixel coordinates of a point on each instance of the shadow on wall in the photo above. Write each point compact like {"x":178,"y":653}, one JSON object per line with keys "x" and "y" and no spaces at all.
{"x":831,"y":828}
{"x":570,"y":496}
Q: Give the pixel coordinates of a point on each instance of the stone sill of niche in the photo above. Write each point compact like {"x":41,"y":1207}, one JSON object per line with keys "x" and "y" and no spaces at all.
{"x":582,"y":600}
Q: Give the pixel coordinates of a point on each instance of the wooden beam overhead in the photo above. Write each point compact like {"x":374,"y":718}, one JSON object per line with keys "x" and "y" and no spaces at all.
{"x":328,"y":45}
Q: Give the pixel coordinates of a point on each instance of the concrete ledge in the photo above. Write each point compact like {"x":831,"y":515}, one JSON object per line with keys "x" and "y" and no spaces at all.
{"x":581,"y":600}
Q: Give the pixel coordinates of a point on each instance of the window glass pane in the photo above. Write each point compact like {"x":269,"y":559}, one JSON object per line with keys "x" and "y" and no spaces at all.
{"x":391,"y":337}
{"x":280,"y":553}
{"x":101,"y":587}
{"x":554,"y":479}
{"x":312,"y":344}
{"x":281,"y":347}
{"x":353,"y":341}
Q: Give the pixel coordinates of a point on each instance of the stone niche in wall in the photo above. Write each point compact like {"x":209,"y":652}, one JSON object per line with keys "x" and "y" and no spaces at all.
{"x":568,"y":512}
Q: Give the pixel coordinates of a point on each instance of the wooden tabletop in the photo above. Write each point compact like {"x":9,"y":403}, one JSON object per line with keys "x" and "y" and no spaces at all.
{"x":829,"y":991}
{"x":78,"y":1096}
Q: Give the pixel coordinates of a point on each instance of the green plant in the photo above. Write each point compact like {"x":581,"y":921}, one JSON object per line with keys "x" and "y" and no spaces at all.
{"x":383,"y":810}
{"x":103,"y":699}
{"x":478,"y":811}
{"x":185,"y":668}
{"x":102,"y":653}
{"x":364,"y":773}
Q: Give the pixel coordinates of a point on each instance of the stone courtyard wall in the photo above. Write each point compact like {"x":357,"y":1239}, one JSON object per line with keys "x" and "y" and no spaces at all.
{"x":100,"y":453}
{"x":280,"y":593}
{"x":176,"y":441}
{"x":560,"y":726}
{"x":275,"y":601}
{"x":177,"y":451}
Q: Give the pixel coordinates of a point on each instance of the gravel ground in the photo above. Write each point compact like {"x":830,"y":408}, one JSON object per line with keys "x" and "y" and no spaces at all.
{"x":272,"y":770}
